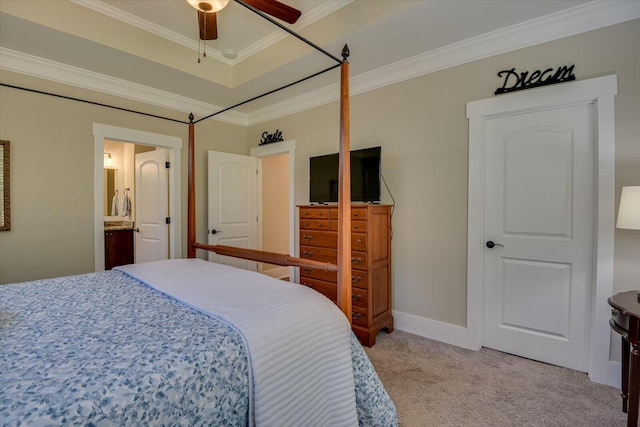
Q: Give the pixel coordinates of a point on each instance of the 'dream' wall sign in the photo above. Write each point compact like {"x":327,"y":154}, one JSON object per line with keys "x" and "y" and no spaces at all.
{"x":514,"y":80}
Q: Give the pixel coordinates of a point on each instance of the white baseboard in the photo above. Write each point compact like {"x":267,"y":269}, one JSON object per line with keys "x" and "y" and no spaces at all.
{"x":434,"y":329}
{"x":608,"y":373}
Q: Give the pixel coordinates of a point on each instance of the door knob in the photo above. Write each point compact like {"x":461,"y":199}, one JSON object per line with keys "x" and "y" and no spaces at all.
{"x":490,"y":244}
{"x":214,"y":231}
{"x":137,"y":230}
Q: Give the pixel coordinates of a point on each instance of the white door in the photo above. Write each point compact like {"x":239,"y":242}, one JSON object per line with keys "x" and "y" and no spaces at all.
{"x":152,"y":206}
{"x":538,"y":211}
{"x":233,"y":205}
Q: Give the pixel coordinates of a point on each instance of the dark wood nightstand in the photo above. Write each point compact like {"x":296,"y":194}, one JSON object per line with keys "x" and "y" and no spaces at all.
{"x":625,"y":320}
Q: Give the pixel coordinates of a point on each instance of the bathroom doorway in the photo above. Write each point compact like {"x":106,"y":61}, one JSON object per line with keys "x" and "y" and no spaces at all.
{"x":145,"y":141}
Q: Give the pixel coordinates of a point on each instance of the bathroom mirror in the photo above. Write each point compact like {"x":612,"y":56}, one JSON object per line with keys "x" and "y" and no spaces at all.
{"x":5,"y":211}
{"x":112,"y":183}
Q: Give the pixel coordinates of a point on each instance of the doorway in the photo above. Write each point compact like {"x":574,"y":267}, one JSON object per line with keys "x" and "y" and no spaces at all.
{"x":173,"y":146}
{"x":597,"y":94}
{"x":276,"y":225}
{"x":274,"y":173}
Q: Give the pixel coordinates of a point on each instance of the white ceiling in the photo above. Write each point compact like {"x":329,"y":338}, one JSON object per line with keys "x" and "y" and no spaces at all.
{"x":148,"y":49}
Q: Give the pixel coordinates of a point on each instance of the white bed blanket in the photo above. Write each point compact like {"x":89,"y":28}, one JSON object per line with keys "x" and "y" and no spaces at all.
{"x":297,"y":340}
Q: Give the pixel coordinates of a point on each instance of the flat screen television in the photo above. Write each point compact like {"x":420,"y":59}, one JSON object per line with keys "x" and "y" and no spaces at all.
{"x":365,"y":176}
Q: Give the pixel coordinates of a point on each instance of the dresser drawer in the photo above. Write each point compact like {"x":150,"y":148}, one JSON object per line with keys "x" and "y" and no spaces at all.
{"x":329,"y":290}
{"x":316,"y":213}
{"x":359,"y":316}
{"x":316,"y":273}
{"x":325,"y":239}
{"x":316,"y":253}
{"x":359,"y":279}
{"x":359,"y":297}
{"x":330,"y":239}
{"x":356,"y":213}
{"x":359,"y":260}
{"x":356,"y":226}
{"x":319,"y":254}
{"x":314,"y":224}
{"x":358,"y":242}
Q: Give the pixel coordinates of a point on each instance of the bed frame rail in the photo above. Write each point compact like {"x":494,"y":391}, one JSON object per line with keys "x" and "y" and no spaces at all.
{"x":268,"y":257}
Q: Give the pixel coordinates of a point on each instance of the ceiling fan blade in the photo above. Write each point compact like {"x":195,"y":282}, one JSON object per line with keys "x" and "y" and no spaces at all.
{"x":208,"y":25}
{"x":276,"y":9}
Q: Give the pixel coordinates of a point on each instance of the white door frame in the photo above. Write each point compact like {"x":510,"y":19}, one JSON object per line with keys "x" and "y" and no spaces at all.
{"x":173,"y":145}
{"x":270,"y":150}
{"x":599,"y":91}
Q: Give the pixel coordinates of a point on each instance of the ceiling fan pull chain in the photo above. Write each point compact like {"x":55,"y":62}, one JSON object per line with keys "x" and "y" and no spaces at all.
{"x":198,"y":51}
{"x":204,"y":42}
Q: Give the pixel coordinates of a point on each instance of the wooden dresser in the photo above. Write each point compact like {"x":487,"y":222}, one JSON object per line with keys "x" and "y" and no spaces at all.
{"x":371,"y":262}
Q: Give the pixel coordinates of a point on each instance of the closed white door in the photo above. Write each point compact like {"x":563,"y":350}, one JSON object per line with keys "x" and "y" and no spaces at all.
{"x":233,"y":205}
{"x":538,"y":212}
{"x":152,"y":206}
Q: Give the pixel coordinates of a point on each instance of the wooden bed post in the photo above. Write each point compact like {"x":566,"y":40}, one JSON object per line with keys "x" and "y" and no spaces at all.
{"x":344,"y":194}
{"x":191,"y":196}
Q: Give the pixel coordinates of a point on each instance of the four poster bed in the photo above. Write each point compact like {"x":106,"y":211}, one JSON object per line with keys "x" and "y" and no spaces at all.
{"x":189,"y":342}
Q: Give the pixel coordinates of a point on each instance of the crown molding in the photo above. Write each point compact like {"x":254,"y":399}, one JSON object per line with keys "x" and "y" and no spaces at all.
{"x":143,"y":24}
{"x":34,"y":66}
{"x":590,"y":16}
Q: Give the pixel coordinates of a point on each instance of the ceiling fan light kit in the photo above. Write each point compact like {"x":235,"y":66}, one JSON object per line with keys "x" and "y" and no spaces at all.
{"x":208,"y":6}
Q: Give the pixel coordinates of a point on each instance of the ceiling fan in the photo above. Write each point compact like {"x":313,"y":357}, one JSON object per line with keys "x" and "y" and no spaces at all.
{"x":207,"y":10}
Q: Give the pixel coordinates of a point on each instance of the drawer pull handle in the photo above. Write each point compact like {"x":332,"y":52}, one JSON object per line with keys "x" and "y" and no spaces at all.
{"x":306,"y":237}
{"x":356,"y":297}
{"x":319,"y":225}
{"x":355,"y":227}
{"x":355,"y":316}
{"x":356,"y":279}
{"x":356,"y":261}
{"x":359,"y":241}
{"x":307,"y":270}
{"x":307,"y":254}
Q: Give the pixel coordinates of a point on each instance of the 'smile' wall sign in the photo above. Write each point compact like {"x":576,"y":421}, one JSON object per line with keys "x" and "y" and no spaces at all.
{"x":518,"y":81}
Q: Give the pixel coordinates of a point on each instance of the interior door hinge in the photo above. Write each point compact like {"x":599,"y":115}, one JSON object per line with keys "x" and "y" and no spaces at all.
{"x":167,"y":220}
{"x":167,"y":165}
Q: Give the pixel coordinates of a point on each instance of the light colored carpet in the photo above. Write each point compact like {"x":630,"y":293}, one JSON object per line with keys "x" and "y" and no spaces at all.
{"x":436,"y":384}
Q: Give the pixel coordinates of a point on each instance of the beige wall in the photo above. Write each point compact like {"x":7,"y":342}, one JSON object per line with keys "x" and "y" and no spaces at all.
{"x":422,"y":127}
{"x":52,"y":173}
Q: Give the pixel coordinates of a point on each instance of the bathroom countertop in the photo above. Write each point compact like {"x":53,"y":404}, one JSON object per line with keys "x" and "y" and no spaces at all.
{"x":118,"y":225}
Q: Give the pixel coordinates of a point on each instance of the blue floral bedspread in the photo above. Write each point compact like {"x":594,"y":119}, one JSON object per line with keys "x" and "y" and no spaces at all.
{"x":105,"y":349}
